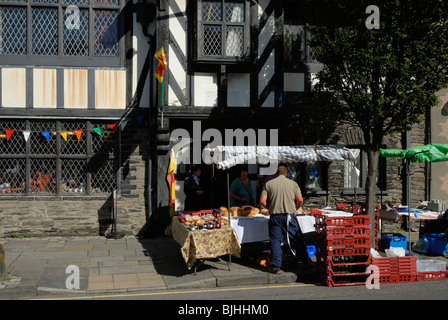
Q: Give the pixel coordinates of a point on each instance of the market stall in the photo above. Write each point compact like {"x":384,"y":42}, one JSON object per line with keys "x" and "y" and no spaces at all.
{"x":205,"y":243}
{"x":426,"y":153}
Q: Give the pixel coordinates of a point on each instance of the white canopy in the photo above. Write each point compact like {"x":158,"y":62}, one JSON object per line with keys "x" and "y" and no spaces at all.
{"x":234,"y":155}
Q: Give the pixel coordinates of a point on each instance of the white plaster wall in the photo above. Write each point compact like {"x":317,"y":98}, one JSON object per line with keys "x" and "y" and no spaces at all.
{"x":205,"y":90}
{"x":238,"y":90}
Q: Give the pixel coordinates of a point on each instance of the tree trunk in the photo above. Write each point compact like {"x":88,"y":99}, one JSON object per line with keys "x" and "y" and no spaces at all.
{"x":372,"y":169}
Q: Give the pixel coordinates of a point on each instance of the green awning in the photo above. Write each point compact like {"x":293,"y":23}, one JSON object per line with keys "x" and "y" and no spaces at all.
{"x":428,"y":153}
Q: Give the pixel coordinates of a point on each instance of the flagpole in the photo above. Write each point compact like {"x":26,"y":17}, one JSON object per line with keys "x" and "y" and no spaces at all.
{"x":163,"y":98}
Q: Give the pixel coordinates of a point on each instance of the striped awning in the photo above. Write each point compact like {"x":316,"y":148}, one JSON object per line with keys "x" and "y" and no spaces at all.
{"x":235,"y":155}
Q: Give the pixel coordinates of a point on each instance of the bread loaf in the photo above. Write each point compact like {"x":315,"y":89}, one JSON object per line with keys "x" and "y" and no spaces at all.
{"x":235,"y":211}
{"x":223,"y":210}
{"x":249,"y":211}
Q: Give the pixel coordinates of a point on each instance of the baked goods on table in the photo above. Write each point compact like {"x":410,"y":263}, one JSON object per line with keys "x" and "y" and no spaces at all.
{"x":204,"y":219}
{"x":213,"y":218}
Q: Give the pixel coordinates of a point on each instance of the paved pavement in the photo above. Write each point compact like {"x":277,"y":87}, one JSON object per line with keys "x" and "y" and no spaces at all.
{"x":45,"y":266}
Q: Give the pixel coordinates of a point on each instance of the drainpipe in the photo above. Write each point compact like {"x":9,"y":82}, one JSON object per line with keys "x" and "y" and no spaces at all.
{"x":146,"y":11}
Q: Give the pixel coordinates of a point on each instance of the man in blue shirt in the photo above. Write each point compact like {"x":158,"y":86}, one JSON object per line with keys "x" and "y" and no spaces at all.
{"x":241,"y":191}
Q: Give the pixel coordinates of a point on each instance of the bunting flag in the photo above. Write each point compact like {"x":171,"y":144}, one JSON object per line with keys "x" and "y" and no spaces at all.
{"x":46,"y":135}
{"x":63,"y":134}
{"x":140,"y":119}
{"x":123,"y":124}
{"x":113,"y":127}
{"x":78,"y":134}
{"x":97,"y":130}
{"x":26,"y":135}
{"x":171,"y":183}
{"x":9,"y":133}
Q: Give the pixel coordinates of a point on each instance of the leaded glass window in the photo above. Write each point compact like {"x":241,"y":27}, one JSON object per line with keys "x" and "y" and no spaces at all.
{"x":223,"y":30}
{"x":60,"y":28}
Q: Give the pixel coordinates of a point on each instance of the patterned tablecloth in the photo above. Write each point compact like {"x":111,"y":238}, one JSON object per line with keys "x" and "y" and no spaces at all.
{"x":204,"y":244}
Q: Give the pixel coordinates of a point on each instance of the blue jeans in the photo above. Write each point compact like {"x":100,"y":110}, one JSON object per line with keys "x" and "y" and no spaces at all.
{"x":278,"y":228}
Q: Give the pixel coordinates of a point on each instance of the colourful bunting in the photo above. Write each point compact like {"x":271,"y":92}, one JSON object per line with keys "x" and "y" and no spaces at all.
{"x":63,"y":134}
{"x":113,"y":127}
{"x":123,"y":124}
{"x":97,"y":130}
{"x":46,"y":135}
{"x":140,"y":119}
{"x":9,"y":133}
{"x":78,"y":134}
{"x":26,"y":135}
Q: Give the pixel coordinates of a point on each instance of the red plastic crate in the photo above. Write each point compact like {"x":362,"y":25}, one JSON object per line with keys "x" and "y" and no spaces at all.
{"x":343,"y":281}
{"x":392,"y":267}
{"x":351,"y":270}
{"x":344,"y":240}
{"x":354,"y":220}
{"x":333,"y":251}
{"x":344,"y":230}
{"x":315,"y":212}
{"x":398,"y":278}
{"x":342,"y":261}
{"x":431,"y":276}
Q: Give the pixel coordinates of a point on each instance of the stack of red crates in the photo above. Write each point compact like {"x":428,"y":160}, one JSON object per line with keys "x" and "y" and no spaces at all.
{"x":396,"y":270}
{"x":343,"y":249}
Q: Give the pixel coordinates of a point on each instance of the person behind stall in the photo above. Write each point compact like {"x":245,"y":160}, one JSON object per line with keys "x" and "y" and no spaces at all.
{"x":193,"y":190}
{"x":283,"y":198}
{"x":240,"y":191}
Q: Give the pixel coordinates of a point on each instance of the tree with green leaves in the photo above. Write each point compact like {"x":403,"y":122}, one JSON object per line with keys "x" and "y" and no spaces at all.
{"x":382,"y":75}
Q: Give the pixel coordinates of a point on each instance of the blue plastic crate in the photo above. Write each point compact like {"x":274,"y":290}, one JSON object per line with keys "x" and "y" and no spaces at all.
{"x":437,"y":243}
{"x":394,"y":240}
{"x":311,"y":249}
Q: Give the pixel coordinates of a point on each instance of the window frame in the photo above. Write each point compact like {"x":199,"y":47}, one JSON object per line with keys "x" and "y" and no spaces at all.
{"x":302,"y":178}
{"x":307,"y":52}
{"x":199,"y":38}
{"x":361,"y":164}
{"x":60,"y":59}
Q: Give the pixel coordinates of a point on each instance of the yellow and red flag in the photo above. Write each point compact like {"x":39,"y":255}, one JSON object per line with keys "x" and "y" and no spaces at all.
{"x":160,"y":56}
{"x":159,"y":73}
{"x":171,"y":183}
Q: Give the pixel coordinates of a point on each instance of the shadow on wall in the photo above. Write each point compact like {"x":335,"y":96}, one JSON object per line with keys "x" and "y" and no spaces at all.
{"x":105,"y":216}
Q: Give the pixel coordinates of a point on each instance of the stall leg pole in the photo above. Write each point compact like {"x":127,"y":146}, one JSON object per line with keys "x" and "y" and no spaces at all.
{"x":408,"y":200}
{"x":228,"y":211}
